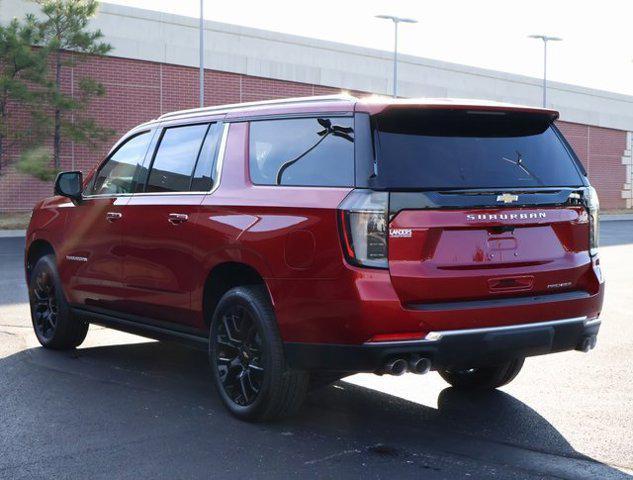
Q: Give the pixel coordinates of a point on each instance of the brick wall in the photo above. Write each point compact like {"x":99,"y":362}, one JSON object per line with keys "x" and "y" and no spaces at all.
{"x":601,"y":151}
{"x":138,"y":91}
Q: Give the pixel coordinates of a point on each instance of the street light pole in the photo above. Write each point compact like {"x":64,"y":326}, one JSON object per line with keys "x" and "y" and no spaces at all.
{"x":201,"y":53}
{"x":395,"y":60}
{"x":545,"y":39}
{"x":396,"y":21}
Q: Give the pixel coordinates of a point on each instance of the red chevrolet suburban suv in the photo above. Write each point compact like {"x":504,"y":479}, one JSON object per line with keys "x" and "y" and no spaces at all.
{"x":304,"y":240}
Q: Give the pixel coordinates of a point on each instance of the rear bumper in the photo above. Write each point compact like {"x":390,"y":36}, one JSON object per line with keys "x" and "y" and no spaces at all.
{"x":449,"y":348}
{"x":362,"y":303}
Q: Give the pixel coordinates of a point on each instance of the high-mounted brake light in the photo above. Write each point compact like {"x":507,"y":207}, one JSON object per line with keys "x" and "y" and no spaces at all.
{"x":593,"y":207}
{"x":363,"y":219}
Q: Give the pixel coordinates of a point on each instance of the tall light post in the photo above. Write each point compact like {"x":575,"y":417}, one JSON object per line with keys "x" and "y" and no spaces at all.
{"x":201,"y":53}
{"x":396,"y":21}
{"x":545,"y":38}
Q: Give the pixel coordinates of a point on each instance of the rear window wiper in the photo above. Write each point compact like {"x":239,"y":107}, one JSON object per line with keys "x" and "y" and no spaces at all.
{"x":519,"y":163}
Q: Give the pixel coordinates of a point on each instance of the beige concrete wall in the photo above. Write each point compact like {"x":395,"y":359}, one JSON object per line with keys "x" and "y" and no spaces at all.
{"x":155,"y":36}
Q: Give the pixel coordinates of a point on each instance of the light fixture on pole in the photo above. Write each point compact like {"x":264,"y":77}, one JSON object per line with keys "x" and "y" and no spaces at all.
{"x":396,"y":21}
{"x":545,"y":39}
{"x":201,"y":53}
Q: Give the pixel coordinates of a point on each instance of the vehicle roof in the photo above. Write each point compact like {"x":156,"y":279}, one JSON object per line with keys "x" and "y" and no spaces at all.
{"x":341,"y":103}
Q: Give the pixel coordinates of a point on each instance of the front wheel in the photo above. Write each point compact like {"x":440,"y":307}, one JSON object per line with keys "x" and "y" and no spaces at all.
{"x":483,"y":378}
{"x":247,"y":360}
{"x":53,"y":322}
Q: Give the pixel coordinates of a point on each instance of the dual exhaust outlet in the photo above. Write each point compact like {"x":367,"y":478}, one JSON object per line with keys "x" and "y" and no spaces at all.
{"x":421,"y":365}
{"x":398,"y":366}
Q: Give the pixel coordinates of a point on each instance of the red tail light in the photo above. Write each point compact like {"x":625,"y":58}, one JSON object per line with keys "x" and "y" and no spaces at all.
{"x":363,"y":221}
{"x":397,"y":337}
{"x":593,"y":206}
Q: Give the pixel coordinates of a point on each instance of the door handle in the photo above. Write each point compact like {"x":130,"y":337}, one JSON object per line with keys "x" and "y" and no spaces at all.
{"x":113,"y":216}
{"x":177,"y":218}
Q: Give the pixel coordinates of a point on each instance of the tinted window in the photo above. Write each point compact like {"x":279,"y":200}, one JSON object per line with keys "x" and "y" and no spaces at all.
{"x":118,"y":172}
{"x":462,"y":149}
{"x":203,"y":176}
{"x":175,"y":159}
{"x":306,"y":151}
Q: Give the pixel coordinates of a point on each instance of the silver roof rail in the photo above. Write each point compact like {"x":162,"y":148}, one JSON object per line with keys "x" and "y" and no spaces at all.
{"x":279,"y":101}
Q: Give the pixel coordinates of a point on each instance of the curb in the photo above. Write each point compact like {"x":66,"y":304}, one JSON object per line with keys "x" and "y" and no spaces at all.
{"x":12,"y":233}
{"x":616,"y":217}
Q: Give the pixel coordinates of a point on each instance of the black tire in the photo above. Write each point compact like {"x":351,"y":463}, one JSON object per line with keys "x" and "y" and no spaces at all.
{"x":53,"y":322}
{"x":483,"y":378}
{"x":247,"y":360}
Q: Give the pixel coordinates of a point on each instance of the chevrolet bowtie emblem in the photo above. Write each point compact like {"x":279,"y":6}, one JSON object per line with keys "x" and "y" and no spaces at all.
{"x":507,"y":198}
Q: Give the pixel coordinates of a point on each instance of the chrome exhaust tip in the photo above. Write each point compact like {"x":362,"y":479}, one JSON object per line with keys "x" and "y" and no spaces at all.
{"x":419,"y":365}
{"x":587,"y":344}
{"x":395,"y":367}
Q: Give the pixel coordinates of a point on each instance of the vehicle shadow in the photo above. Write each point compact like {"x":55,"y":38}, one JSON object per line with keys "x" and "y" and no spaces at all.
{"x":166,"y":379}
{"x":490,"y":426}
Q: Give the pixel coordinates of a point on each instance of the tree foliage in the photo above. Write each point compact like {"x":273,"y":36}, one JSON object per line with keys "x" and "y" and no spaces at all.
{"x":65,"y":23}
{"x":64,"y":28}
{"x":34,"y":52}
{"x":36,"y":162}
{"x":22,"y":70}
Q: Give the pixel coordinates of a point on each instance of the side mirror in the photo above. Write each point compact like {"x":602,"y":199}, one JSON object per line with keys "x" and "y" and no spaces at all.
{"x":69,"y":184}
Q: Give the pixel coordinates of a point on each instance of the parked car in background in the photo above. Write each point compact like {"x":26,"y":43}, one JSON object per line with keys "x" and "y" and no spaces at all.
{"x":304,"y":240}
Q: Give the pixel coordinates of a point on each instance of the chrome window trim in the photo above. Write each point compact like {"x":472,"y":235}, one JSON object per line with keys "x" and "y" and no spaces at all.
{"x":217,"y":174}
{"x":436,"y":336}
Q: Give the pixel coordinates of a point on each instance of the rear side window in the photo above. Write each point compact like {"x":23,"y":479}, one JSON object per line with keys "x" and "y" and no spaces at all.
{"x":175,"y":159}
{"x":430,"y":149}
{"x":203,"y":180}
{"x":302,"y":152}
{"x":117,"y":174}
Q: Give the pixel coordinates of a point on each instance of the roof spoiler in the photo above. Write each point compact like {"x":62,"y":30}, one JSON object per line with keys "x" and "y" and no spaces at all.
{"x":378,"y":106}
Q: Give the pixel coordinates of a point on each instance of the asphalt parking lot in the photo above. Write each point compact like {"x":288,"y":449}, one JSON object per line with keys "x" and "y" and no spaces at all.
{"x":122,"y":406}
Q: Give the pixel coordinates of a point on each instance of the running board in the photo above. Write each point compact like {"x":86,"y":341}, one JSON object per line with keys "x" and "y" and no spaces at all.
{"x":142,"y":329}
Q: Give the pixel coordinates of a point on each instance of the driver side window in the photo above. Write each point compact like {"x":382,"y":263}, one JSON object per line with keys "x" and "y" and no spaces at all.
{"x":116,"y":175}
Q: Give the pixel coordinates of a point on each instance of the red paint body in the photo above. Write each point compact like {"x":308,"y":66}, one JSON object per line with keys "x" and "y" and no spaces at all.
{"x":142,"y":264}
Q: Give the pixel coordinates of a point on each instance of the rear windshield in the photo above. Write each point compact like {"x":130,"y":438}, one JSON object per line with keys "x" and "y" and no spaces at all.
{"x":431,"y":149}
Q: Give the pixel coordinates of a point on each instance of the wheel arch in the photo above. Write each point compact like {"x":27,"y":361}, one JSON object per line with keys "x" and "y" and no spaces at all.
{"x":222,"y":278}
{"x":36,"y":250}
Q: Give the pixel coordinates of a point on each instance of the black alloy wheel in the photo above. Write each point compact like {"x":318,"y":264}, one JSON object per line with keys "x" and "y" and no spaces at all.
{"x":246,"y":354}
{"x":240,"y":356}
{"x":53,"y":321}
{"x":45,"y":306}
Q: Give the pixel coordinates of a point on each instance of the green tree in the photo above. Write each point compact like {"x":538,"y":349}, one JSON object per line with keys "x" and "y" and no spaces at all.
{"x":22,"y":68}
{"x":64,"y":28}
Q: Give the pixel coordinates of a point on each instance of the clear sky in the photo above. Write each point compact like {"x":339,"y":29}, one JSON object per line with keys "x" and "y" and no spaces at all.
{"x":597,"y":47}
